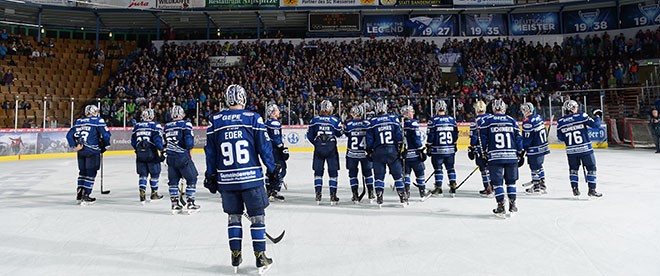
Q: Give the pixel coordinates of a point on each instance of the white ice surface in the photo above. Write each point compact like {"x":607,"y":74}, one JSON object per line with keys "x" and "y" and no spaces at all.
{"x":44,"y":233}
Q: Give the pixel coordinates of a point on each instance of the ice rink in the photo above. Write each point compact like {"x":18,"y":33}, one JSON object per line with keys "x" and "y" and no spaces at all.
{"x":45,"y":233}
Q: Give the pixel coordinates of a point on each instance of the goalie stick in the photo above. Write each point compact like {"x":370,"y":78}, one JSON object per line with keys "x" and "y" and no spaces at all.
{"x":274,"y":240}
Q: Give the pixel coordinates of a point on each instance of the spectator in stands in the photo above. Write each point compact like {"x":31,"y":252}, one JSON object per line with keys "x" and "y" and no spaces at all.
{"x":8,"y":78}
{"x":654,"y":125}
{"x":98,"y":69}
{"x":3,"y":51}
{"x":7,"y":105}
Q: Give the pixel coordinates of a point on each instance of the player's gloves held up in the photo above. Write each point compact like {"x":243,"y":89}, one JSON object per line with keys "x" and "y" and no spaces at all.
{"x":422,"y":154}
{"x":521,"y":158}
{"x":471,"y":152}
{"x":598,"y":113}
{"x":284,"y":152}
{"x":211,"y":183}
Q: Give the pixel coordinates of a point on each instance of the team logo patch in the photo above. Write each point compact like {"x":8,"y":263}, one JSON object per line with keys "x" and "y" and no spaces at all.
{"x":293,"y":138}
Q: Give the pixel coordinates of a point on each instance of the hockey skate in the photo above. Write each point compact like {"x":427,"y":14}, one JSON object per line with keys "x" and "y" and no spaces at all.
{"x":176,"y":206}
{"x":334,"y":200}
{"x":263,"y":263}
{"x":486,"y":192}
{"x":143,"y":197}
{"x":355,"y":197}
{"x":542,"y":187}
{"x":155,"y":196}
{"x":236,"y":259}
{"x":403,"y":199}
{"x":87,"y":200}
{"x":274,"y":195}
{"x":424,"y":194}
{"x":437,"y":191}
{"x":576,"y":192}
{"x":499,"y":211}
{"x":318,"y":198}
{"x":452,"y":189}
{"x":407,"y":190}
{"x":79,"y":195}
{"x":593,"y":194}
{"x":371,"y":196}
{"x":379,"y":198}
{"x":191,"y":207}
{"x":512,"y":207}
{"x":534,"y":189}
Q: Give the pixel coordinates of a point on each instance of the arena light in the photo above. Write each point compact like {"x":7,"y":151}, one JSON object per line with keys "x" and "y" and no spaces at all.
{"x":43,"y":31}
{"x":110,"y":34}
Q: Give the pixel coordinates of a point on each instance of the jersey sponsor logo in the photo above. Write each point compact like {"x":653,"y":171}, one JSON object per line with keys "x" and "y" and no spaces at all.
{"x":293,"y":138}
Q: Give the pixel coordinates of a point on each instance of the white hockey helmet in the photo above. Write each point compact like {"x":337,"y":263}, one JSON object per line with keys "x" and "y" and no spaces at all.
{"x":480,"y":106}
{"x":148,"y":115}
{"x":270,"y":109}
{"x":326,"y":106}
{"x":527,"y":108}
{"x":499,"y":105}
{"x":91,"y":110}
{"x":571,"y":106}
{"x":440,"y":106}
{"x":381,"y":107}
{"x":177,"y":112}
{"x":235,"y":95}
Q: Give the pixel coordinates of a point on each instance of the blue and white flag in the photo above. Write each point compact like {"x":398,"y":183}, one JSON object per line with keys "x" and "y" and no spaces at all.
{"x":354,"y":72}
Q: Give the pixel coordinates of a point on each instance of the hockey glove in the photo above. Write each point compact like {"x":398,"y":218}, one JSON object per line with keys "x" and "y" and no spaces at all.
{"x":422,"y":154}
{"x":284,"y":152}
{"x":274,"y":176}
{"x":455,"y":148}
{"x":471,"y":154}
{"x":211,"y":183}
{"x":370,"y":154}
{"x":162,"y":156}
{"x":598,"y":113}
{"x":428,"y":150}
{"x":521,"y":158}
{"x":402,"y":150}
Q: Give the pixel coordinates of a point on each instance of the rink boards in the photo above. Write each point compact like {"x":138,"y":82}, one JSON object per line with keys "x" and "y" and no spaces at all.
{"x":26,"y":144}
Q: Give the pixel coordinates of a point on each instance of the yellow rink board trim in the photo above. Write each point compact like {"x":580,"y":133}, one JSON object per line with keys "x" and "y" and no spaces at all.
{"x":129,"y":152}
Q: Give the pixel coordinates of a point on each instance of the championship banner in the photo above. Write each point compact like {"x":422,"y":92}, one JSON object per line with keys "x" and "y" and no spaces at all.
{"x":483,"y":2}
{"x":534,"y":23}
{"x":484,"y":25}
{"x":179,"y":4}
{"x":639,"y":15}
{"x":241,"y":3}
{"x":226,"y":61}
{"x":385,"y":25}
{"x":589,"y":20}
{"x":327,"y":3}
{"x":433,"y":25}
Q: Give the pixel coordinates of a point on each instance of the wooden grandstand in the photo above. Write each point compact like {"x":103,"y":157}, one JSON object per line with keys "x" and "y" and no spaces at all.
{"x":67,"y":75}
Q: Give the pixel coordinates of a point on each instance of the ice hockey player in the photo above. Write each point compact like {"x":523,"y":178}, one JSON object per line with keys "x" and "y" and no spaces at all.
{"x":180,"y":141}
{"x":535,"y":144}
{"x":147,"y":141}
{"x":356,"y":155}
{"x":89,"y":137}
{"x":235,"y":141}
{"x":572,"y":129}
{"x":416,"y":152}
{"x":280,"y":152}
{"x":500,"y":136}
{"x":385,"y":148}
{"x":442,"y":135}
{"x":475,"y":151}
{"x":323,"y":132}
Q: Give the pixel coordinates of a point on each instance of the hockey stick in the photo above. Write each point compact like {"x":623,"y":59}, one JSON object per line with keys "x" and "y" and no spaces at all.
{"x":181,"y":193}
{"x":274,"y":240}
{"x":364,"y":189}
{"x":468,"y":177}
{"x":103,"y":192}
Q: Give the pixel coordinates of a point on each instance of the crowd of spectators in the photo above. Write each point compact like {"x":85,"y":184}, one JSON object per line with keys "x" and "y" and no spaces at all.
{"x":16,"y":45}
{"x":400,"y":71}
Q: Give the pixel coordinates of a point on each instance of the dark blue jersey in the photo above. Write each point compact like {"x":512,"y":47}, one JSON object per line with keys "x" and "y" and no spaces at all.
{"x":500,"y":136}
{"x":413,"y":138}
{"x":274,"y":128}
{"x":356,"y":132}
{"x":324,"y":130}
{"x":91,"y":132}
{"x":384,"y":130}
{"x":235,"y":141}
{"x":572,"y":130}
{"x":474,"y":130}
{"x":442,"y":135}
{"x":149,"y":134}
{"x":179,"y":137}
{"x":535,"y":137}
